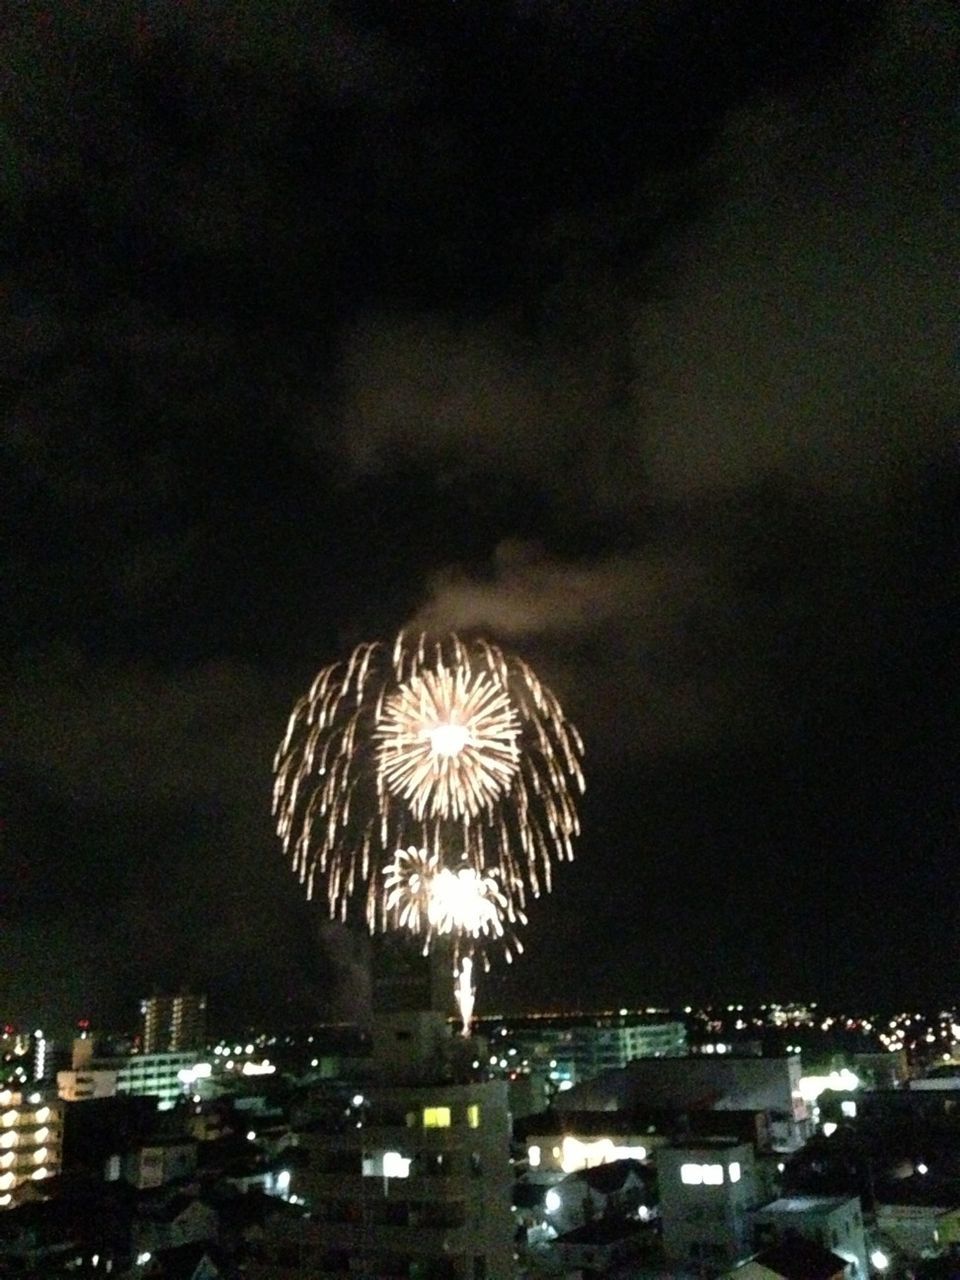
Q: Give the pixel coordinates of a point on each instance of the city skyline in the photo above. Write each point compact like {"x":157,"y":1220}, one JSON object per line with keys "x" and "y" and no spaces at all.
{"x":625,"y":341}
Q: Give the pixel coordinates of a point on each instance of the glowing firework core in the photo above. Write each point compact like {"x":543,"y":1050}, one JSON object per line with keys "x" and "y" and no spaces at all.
{"x":448,"y":739}
{"x":447,"y":742}
{"x":428,"y":898}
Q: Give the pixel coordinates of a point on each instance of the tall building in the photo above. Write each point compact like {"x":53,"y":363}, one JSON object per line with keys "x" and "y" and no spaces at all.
{"x":420,"y":1185}
{"x":405,"y":980}
{"x":31,"y":1140}
{"x":173,"y":1024}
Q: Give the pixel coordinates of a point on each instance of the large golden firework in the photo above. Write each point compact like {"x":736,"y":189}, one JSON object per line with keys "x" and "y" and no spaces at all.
{"x":440,"y":744}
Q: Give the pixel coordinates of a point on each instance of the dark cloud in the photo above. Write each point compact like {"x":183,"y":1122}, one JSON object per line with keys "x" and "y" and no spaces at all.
{"x":626,"y":338}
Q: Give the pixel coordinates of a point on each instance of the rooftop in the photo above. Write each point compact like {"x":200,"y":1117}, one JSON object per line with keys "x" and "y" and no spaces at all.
{"x":805,"y":1204}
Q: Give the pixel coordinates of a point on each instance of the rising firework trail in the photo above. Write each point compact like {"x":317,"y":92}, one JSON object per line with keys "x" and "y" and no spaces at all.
{"x":433,"y":785}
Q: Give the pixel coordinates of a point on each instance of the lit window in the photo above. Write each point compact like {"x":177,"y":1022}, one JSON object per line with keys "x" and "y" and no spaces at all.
{"x":9,"y":1118}
{"x":848,"y":1108}
{"x":712,"y":1175}
{"x":473,"y":1116}
{"x":734,"y":1171}
{"x":533,"y":1156}
{"x":43,"y":1114}
{"x":436,"y":1117}
{"x":691,"y":1175}
{"x":395,"y":1165}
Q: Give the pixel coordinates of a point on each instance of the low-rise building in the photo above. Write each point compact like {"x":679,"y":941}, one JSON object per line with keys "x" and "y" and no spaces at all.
{"x":706,"y":1192}
{"x":832,"y":1222}
{"x":918,"y":1216}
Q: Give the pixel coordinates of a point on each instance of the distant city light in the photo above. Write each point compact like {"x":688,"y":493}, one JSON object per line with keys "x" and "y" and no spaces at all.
{"x":879,"y":1260}
{"x":552,"y":1201}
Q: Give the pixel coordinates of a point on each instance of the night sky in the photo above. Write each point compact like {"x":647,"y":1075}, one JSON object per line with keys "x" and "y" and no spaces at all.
{"x":624,"y":333}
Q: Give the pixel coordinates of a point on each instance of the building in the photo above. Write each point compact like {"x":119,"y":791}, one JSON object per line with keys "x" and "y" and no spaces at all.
{"x":620,"y":1189}
{"x":832,"y":1222}
{"x":795,"y":1259}
{"x":420,"y":1183}
{"x":723,"y":1083}
{"x":31,"y":1141}
{"x":152,"y":1075}
{"x":84,"y":1081}
{"x":568,"y":1053}
{"x":707,"y":1190}
{"x":919,"y":1216}
{"x":173,"y":1024}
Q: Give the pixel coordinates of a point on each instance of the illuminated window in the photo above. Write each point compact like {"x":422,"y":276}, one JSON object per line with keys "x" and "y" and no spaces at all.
{"x":708,"y":1175}
{"x":436,"y":1117}
{"x":734,"y":1171}
{"x":473,"y":1116}
{"x":533,"y":1156}
{"x":395,"y":1165}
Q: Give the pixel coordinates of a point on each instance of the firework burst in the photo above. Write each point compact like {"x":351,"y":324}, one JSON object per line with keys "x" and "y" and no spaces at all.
{"x":429,"y":899}
{"x":456,"y":749}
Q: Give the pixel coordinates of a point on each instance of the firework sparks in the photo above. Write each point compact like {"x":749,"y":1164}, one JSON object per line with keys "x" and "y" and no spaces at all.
{"x":465,"y":993}
{"x":426,"y":898}
{"x":454,"y":748}
{"x":434,"y":784}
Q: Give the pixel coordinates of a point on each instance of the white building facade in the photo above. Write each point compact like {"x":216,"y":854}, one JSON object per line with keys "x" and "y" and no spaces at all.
{"x":31,"y":1141}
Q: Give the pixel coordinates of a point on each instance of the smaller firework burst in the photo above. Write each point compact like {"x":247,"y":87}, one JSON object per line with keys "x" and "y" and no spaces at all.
{"x":430,"y":899}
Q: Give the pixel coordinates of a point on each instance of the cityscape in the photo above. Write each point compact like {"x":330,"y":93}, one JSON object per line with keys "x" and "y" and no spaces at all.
{"x":481,"y":718}
{"x":775,"y":1140}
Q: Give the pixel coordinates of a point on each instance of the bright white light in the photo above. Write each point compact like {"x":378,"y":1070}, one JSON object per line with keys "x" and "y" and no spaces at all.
{"x":395,"y":1165}
{"x":7,"y":1180}
{"x":251,"y":1135}
{"x":43,"y":1114}
{"x":921,"y":1168}
{"x":713,"y":1175}
{"x":258,"y":1069}
{"x":564,"y":1085}
{"x":9,"y":1118}
{"x":6,"y":1199}
{"x":448,"y":739}
{"x":829,"y":1129}
{"x":38,"y":1174}
{"x":734,"y":1171}
{"x":40,"y":1155}
{"x":144,"y":1258}
{"x":848,"y":1108}
{"x":533,"y":1157}
{"x":843,"y":1081}
{"x":283,"y":1181}
{"x":357,"y":1100}
{"x":691,"y":1175}
{"x":879,"y":1259}
{"x":552,"y":1201}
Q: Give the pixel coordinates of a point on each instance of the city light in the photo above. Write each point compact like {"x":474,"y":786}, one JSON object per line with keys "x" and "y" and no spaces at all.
{"x":552,"y":1201}
{"x":879,"y":1260}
